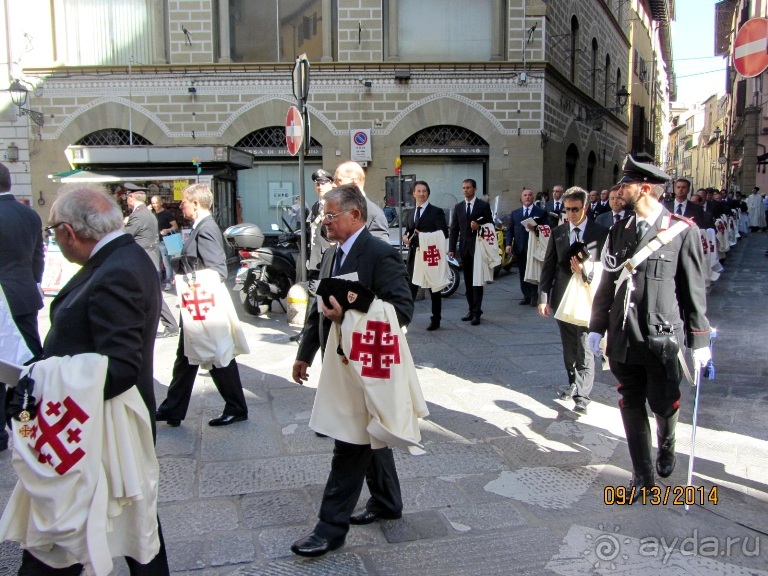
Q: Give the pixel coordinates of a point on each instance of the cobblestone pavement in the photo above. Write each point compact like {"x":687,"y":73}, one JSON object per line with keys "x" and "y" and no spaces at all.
{"x":513,"y":482}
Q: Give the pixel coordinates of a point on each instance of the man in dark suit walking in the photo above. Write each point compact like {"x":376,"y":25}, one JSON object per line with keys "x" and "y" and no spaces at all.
{"x":683,"y":207}
{"x":21,"y":271}
{"x":554,"y":207}
{"x":661,"y":302}
{"x":205,"y":246}
{"x":617,"y":211}
{"x":468,"y":216}
{"x":596,"y":207}
{"x":111,"y":307}
{"x":142,"y":225}
{"x":559,"y":266}
{"x":517,"y":240}
{"x":380,"y":268}
{"x":425,"y":218}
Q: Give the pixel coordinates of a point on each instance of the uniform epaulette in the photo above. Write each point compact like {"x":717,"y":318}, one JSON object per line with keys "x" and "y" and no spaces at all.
{"x":688,"y":221}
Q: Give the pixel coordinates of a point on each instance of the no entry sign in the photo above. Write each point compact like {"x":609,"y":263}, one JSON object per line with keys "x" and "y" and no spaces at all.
{"x":294,"y":130}
{"x":750,"y":49}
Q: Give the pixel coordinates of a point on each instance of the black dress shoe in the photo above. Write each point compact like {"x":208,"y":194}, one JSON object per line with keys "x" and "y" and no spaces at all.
{"x":475,"y":321}
{"x":315,"y":545}
{"x":525,"y":302}
{"x":368,"y":517}
{"x":568,"y":392}
{"x":580,"y":406}
{"x":468,"y":317}
{"x":172,"y":422}
{"x":227,"y":419}
{"x":433,"y":326}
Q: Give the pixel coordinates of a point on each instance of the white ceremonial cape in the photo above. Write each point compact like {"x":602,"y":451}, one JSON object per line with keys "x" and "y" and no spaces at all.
{"x":13,"y":348}
{"x":375,"y":398}
{"x":430,"y":268}
{"x":723,"y":244}
{"x":756,"y":210}
{"x":743,"y":222}
{"x":714,"y":257}
{"x":537,"y":249}
{"x":576,"y":305}
{"x":213,"y":335}
{"x":487,"y":255}
{"x":87,"y":471}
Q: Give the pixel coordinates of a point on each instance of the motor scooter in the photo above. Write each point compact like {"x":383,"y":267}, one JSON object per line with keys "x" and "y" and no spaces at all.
{"x":266,"y":274}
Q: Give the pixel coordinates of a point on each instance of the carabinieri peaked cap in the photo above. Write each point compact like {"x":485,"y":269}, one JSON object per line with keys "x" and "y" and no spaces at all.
{"x":638,"y":172}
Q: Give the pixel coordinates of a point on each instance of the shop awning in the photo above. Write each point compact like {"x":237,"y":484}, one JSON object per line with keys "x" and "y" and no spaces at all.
{"x":127,"y":174}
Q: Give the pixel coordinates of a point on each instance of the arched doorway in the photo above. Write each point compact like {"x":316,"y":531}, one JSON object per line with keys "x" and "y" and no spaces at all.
{"x":444,"y":156}
{"x":571,"y":160}
{"x":591,"y":163}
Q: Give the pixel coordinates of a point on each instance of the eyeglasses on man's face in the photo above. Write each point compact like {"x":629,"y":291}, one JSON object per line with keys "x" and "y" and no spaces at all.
{"x":329,"y":217}
{"x":50,"y":229}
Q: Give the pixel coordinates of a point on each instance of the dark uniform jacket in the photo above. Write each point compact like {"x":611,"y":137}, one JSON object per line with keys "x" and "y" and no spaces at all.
{"x":517,"y":232}
{"x":380,"y":267}
{"x":432,"y":219}
{"x":481,"y":213}
{"x":21,"y":255}
{"x":142,"y":225}
{"x":669,"y":288}
{"x":206,"y":243}
{"x":556,"y":269}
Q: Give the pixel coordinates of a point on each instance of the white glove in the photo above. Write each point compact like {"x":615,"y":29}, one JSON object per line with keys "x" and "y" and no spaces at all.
{"x":701,"y":356}
{"x":593,"y":341}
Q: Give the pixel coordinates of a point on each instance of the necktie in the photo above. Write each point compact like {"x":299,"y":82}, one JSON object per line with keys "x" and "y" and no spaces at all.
{"x":616,"y":218}
{"x":557,"y":206}
{"x":642,"y":226}
{"x":469,"y":211}
{"x":680,"y":209}
{"x":525,"y":213}
{"x":337,"y":261}
{"x":418,"y":216}
{"x":576,"y":232}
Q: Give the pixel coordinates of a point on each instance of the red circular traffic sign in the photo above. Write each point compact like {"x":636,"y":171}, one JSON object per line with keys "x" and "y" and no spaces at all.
{"x":750,"y":49}
{"x":294,"y":130}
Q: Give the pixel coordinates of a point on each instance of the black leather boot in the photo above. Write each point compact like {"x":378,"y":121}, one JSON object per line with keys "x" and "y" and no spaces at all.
{"x":665,"y":434}
{"x":638,"y":434}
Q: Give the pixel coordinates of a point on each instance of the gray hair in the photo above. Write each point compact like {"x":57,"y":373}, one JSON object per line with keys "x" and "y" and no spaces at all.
{"x":139,"y":196}
{"x":349,"y":197}
{"x":89,"y":209}
{"x":200,"y":193}
{"x":576,"y":193}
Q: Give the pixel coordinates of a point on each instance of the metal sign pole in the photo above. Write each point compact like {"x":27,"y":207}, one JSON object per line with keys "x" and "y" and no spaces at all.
{"x":301,"y":90}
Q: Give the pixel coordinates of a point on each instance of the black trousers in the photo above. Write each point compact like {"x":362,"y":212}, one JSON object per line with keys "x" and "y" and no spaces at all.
{"x":158,"y":566}
{"x":227,"y":381}
{"x":646,"y":379}
{"x":437,"y":302}
{"x":579,"y":359}
{"x":529,"y":290}
{"x":474,"y":293}
{"x":351,"y":464}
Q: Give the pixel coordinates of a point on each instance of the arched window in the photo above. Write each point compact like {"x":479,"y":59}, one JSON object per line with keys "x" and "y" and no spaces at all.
{"x":618,"y":85}
{"x":591,"y":163}
{"x":594,"y":72}
{"x":606,"y":78}
{"x":574,"y":46}
{"x":571,"y":160}
{"x":113,"y":137}
{"x":444,"y":135}
{"x":273,"y":137}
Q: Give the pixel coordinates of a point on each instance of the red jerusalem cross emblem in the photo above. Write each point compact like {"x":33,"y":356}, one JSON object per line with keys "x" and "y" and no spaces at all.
{"x":488,"y":235}
{"x":432,"y":256}
{"x":377,"y":348}
{"x":197,"y":301}
{"x":57,"y":432}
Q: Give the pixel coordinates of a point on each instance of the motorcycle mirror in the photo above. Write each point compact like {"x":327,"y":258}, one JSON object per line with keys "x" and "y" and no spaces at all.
{"x":275,"y":227}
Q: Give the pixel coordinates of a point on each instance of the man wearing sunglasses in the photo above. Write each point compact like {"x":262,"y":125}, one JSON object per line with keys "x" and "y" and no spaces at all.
{"x":557,"y":272}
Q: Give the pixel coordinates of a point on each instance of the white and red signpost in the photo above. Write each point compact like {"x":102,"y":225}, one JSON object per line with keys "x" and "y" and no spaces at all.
{"x":750,"y":49}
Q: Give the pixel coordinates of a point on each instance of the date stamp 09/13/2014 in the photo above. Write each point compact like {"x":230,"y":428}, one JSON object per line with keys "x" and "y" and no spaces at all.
{"x":661,"y":495}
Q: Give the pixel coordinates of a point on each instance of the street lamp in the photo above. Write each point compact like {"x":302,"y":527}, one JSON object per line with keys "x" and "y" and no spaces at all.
{"x":19,"y":94}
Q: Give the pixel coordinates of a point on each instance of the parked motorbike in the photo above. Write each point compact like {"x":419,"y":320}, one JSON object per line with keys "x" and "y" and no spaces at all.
{"x":266,"y":274}
{"x":507,"y":260}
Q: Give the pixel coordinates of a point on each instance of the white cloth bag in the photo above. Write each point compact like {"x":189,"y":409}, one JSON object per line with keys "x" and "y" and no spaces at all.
{"x":213,"y":335}
{"x":576,"y":304}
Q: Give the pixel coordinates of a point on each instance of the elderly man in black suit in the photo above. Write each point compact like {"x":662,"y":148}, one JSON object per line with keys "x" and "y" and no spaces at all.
{"x":142,"y":225}
{"x":516,"y":240}
{"x":110,"y":307}
{"x":205,"y":246}
{"x":617,"y":211}
{"x":556,"y":272}
{"x":21,"y":271}
{"x":554,"y":207}
{"x":426,"y":217}
{"x":468,"y":217}
{"x":380,"y":268}
{"x":645,"y":312}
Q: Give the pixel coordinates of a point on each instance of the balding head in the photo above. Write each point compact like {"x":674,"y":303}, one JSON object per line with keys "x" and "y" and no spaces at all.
{"x":350,"y":173}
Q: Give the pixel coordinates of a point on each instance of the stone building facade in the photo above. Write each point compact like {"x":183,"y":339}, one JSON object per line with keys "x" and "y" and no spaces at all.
{"x":510,"y":101}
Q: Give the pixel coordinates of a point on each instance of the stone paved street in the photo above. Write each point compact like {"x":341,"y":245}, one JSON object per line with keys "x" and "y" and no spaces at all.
{"x":513,"y":482}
